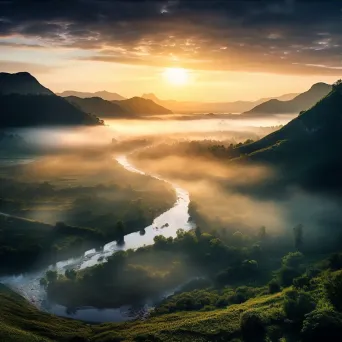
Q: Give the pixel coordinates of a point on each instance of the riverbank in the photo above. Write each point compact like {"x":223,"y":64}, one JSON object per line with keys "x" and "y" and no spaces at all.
{"x":177,"y":217}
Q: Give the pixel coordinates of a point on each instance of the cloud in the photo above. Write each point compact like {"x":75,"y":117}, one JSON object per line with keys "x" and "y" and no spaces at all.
{"x":11,"y":66}
{"x":20,"y":45}
{"x":283,"y":36}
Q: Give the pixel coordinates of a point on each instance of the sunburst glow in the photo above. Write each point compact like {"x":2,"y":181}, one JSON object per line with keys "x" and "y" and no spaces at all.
{"x":176,"y":76}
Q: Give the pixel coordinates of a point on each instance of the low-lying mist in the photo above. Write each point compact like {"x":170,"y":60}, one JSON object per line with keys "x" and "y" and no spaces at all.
{"x":220,"y":188}
{"x":82,"y":137}
{"x":228,"y":195}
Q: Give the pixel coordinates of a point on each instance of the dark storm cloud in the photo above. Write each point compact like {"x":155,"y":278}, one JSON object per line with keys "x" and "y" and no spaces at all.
{"x":276,"y":36}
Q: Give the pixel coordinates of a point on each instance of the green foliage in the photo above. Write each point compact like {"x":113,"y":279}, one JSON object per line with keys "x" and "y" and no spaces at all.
{"x":297,"y":305}
{"x":22,"y":322}
{"x":333,"y":286}
{"x":293,"y":259}
{"x":335,"y":261}
{"x":273,"y":286}
{"x":252,"y":326}
{"x":322,"y":325}
{"x":302,"y":282}
{"x":91,"y":211}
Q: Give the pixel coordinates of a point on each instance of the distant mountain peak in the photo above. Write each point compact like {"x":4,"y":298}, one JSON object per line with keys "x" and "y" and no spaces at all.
{"x":301,"y":102}
{"x":320,"y":85}
{"x":22,"y":83}
{"x":151,"y":96}
{"x":104,"y":94}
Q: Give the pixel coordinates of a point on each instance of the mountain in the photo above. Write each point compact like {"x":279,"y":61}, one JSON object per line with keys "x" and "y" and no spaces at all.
{"x":98,"y":106}
{"x":307,"y":149}
{"x":25,"y":102}
{"x":301,"y":102}
{"x":140,"y":106}
{"x":21,"y":83}
{"x":136,"y":106}
{"x":211,"y":107}
{"x":106,"y":95}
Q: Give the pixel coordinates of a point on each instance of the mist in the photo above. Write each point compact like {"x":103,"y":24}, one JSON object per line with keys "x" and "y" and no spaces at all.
{"x":125,"y":200}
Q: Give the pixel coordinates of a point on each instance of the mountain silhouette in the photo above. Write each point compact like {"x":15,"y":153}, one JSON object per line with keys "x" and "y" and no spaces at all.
{"x":139,"y":106}
{"x":133,"y":107}
{"x":211,"y":107}
{"x":25,"y":102}
{"x":105,"y":95}
{"x":98,"y":106}
{"x":301,"y":102}
{"x":307,"y":149}
{"x":21,"y":83}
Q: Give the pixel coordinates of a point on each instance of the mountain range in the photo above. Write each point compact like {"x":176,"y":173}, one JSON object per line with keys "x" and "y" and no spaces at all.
{"x":133,"y":107}
{"x":297,"y":104}
{"x":307,"y":149}
{"x":183,"y":107}
{"x":25,"y":102}
{"x":106,"y":95}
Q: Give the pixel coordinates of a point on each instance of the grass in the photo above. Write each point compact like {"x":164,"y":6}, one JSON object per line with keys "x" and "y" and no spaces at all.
{"x":21,"y":321}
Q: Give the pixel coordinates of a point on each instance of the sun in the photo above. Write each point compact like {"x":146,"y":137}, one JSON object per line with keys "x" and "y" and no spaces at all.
{"x":176,"y":76}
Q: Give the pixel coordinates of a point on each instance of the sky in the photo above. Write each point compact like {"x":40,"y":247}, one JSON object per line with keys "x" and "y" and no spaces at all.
{"x":226,"y":50}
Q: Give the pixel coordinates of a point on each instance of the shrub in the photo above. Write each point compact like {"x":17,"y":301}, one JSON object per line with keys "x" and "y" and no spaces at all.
{"x":322,"y":325}
{"x":293,"y":260}
{"x":335,"y":261}
{"x":297,"y":305}
{"x":251,"y":325}
{"x":274,"y":333}
{"x":273,"y":286}
{"x":302,"y":282}
{"x":333,"y":286}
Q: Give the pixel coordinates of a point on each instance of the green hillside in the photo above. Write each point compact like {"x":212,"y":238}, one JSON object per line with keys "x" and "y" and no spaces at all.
{"x":305,"y":312}
{"x":307,"y":147}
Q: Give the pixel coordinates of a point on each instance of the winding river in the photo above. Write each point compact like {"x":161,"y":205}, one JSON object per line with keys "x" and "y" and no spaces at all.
{"x":28,"y":284}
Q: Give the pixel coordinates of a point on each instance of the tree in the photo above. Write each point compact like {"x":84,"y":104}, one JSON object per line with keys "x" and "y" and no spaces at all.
{"x":273,"y":286}
{"x":335,"y":261}
{"x":120,"y":231}
{"x":198,"y":232}
{"x":252,"y":326}
{"x":297,"y":305}
{"x":333,"y":286}
{"x":293,"y":259}
{"x":298,"y":236}
{"x":291,"y":266}
{"x":239,"y":239}
{"x":302,"y":282}
{"x":51,"y":276}
{"x":337,"y":84}
{"x":322,"y":325}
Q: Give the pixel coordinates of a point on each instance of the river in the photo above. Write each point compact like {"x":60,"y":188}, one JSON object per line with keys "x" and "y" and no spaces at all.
{"x":28,"y":284}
